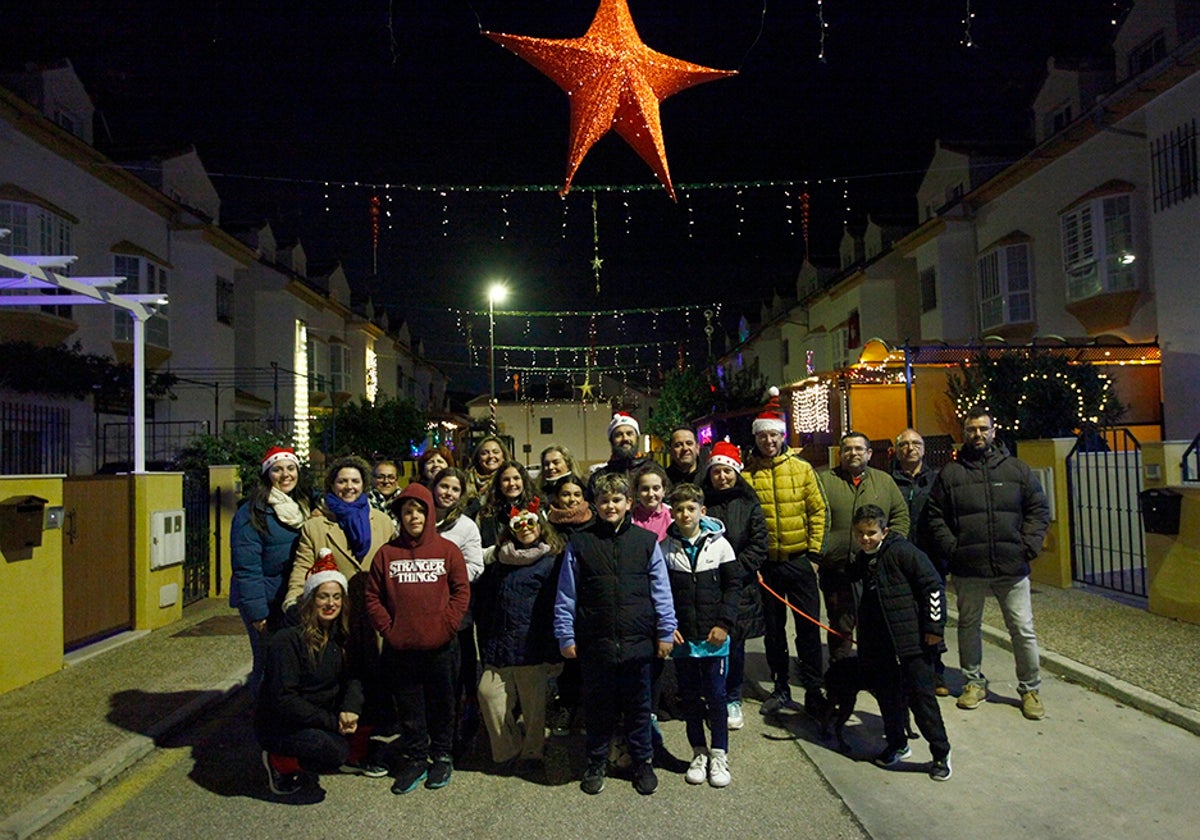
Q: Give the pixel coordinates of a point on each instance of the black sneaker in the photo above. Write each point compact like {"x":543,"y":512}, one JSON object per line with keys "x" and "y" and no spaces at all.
{"x":593,"y":777}
{"x":410,"y":774}
{"x":645,"y":781}
{"x":439,"y":772}
{"x":777,"y":702}
{"x":815,"y":704}
{"x":364,"y":768}
{"x":281,"y":784}
{"x":939,"y":770}
{"x":893,"y":756}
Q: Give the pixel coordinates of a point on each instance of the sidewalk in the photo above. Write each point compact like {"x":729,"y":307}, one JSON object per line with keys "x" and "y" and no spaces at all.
{"x":69,"y":733}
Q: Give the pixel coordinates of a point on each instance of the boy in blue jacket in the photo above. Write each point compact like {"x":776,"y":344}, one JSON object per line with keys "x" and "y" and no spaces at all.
{"x":706,"y":582}
{"x":614,"y":613}
{"x":901,"y":621}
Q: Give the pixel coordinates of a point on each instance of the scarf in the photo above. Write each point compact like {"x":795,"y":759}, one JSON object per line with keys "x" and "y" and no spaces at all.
{"x":287,"y":510}
{"x":355,"y":519}
{"x":569,"y":516}
{"x":510,"y":555}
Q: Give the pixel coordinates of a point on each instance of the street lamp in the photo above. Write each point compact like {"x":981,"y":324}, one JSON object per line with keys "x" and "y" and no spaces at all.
{"x":497,"y":292}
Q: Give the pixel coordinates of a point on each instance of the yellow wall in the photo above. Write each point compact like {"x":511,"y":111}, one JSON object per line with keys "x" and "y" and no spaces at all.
{"x":878,"y":411}
{"x":31,"y":581}
{"x":225,"y":490}
{"x":154,"y":492}
{"x":1175,"y":584}
{"x":1053,"y":566}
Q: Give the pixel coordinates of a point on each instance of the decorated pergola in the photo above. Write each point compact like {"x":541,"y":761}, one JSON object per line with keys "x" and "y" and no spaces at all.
{"x":28,"y":280}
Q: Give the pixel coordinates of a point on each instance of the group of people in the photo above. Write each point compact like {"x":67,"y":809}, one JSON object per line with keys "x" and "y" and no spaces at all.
{"x":478,"y":596}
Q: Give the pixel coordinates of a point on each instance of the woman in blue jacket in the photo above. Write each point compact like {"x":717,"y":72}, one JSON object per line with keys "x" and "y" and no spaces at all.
{"x":263,"y":535}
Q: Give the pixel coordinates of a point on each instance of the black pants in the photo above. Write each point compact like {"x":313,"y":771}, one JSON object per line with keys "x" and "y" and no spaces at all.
{"x":610,"y":690}
{"x":841,"y":606}
{"x":422,"y":684}
{"x":795,"y":580}
{"x":902,"y":684}
{"x":317,"y":750}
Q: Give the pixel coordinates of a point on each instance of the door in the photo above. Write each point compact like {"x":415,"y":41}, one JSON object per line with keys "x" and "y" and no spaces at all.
{"x":97,"y":558}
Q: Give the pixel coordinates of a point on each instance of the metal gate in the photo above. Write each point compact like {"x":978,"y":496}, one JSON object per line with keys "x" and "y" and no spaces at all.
{"x":196,"y":532}
{"x":1104,"y":477}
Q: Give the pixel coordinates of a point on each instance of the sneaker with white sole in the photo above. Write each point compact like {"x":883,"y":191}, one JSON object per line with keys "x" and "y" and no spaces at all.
{"x":697,"y":771}
{"x":736,"y":721}
{"x":892,"y":756}
{"x":939,"y":770}
{"x":718,"y":769}
{"x":364,"y":768}
{"x":281,"y":784}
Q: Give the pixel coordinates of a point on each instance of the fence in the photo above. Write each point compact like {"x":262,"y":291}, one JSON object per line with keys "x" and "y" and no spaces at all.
{"x":1104,"y":478}
{"x":34,"y":439}
{"x":165,"y":439}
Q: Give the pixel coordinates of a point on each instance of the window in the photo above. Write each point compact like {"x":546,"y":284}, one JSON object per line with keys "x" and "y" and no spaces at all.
{"x":1057,"y":119}
{"x":1005,"y":286}
{"x":1098,"y":247}
{"x":928,"y":281}
{"x":1147,"y":54}
{"x":225,"y":300}
{"x":840,"y":355}
{"x":1173,"y":160}
{"x":339,"y":373}
{"x":36,"y":230}
{"x":784,"y":353}
{"x":547,"y":425}
{"x":318,"y":381}
{"x":853,"y":331}
{"x":142,"y":277}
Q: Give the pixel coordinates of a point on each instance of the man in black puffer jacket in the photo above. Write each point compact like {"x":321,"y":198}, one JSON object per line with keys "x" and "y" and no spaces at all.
{"x":987,"y":516}
{"x":902,"y":618}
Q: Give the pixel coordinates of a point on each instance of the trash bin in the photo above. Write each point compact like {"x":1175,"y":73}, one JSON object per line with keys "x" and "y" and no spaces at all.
{"x":21,"y":521}
{"x":1160,"y":511}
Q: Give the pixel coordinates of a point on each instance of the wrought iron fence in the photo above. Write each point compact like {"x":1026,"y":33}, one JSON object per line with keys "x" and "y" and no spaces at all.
{"x":1190,"y":466}
{"x":1104,"y":479}
{"x":165,"y":439}
{"x":34,"y":439}
{"x":196,"y":507}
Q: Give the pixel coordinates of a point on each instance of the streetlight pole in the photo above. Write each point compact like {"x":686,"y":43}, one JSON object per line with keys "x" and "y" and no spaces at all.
{"x":496,"y":294}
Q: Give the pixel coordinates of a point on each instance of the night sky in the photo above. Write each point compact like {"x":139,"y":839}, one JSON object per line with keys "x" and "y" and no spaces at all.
{"x":280,"y":97}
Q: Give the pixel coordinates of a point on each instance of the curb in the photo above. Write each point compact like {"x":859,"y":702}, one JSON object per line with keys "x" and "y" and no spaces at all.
{"x":65,"y":796}
{"x":1102,"y":683}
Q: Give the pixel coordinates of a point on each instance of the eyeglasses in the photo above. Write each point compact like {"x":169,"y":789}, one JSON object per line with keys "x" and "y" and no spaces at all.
{"x":527,"y":522}
{"x":386,"y":479}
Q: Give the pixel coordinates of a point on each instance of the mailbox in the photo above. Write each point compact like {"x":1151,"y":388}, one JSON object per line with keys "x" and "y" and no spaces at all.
{"x":1160,"y":511}
{"x":21,"y":521}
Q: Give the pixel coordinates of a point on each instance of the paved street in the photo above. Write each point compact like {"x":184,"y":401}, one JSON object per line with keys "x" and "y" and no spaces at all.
{"x":1092,"y":768}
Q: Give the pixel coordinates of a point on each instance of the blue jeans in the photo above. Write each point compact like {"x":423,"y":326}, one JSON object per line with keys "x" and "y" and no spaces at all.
{"x":702,"y":689}
{"x":1012,"y":593}
{"x":736,"y":674}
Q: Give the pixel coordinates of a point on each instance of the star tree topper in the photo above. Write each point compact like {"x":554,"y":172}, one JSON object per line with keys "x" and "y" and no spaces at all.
{"x":614,"y":81}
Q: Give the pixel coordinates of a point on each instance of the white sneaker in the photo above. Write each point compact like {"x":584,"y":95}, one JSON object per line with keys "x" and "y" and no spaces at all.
{"x":697,"y":771}
{"x":736,"y":721}
{"x":718,"y":769}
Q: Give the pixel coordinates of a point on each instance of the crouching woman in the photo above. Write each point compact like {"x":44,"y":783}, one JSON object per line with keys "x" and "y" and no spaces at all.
{"x":309,"y":705}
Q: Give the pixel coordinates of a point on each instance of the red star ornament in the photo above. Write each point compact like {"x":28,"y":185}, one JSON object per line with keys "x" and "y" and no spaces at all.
{"x":614,"y":81}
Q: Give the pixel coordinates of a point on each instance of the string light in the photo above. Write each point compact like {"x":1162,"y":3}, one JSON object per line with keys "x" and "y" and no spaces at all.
{"x":824,"y":28}
{"x":967,"y":40}
{"x":810,"y":407}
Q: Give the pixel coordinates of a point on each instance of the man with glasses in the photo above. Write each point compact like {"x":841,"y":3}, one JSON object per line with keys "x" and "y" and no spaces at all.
{"x":915,"y":479}
{"x":386,"y":478}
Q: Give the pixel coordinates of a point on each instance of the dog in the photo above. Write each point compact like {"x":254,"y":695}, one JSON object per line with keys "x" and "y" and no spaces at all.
{"x":844,"y":679}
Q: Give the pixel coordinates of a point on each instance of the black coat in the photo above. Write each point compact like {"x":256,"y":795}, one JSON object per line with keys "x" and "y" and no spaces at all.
{"x":298,"y":693}
{"x":739,"y":511}
{"x":910,"y":592}
{"x":915,"y":490}
{"x":987,"y":515}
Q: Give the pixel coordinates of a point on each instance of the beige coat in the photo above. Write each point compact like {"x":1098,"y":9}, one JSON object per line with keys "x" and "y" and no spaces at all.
{"x":324,"y":532}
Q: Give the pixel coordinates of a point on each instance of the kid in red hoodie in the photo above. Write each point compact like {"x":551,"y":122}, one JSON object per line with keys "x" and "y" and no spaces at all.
{"x":417,"y":594}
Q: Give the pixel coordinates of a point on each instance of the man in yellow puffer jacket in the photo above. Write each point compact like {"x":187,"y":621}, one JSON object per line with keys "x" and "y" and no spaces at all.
{"x":795,"y":509}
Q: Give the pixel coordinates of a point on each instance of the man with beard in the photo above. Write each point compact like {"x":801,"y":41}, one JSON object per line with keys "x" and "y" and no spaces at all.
{"x":623,"y":433}
{"x":849,"y":486}
{"x":987,"y":517}
{"x":684,"y":453}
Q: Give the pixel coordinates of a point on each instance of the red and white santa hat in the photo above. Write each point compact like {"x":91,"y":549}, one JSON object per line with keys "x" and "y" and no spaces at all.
{"x":725,"y":454}
{"x":323,"y":571}
{"x":623,"y":418}
{"x":276,"y":454}
{"x":771,"y":417}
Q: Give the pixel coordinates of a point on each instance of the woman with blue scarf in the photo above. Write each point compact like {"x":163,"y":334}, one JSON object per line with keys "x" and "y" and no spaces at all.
{"x":349,"y":531}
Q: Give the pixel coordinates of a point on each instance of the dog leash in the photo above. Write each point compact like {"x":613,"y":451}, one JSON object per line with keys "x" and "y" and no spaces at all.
{"x":801,"y":612}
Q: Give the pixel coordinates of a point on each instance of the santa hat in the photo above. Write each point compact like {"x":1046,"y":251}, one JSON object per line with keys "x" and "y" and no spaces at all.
{"x":276,"y":454}
{"x":771,"y":417}
{"x":323,"y":571}
{"x":518,"y":515}
{"x":622,"y":418}
{"x":725,"y":454}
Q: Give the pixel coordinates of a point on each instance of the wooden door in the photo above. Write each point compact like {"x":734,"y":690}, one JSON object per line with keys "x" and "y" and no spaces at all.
{"x":97,"y":558}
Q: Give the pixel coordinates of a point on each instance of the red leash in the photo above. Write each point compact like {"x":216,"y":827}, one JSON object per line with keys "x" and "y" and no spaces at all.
{"x":799,"y":611}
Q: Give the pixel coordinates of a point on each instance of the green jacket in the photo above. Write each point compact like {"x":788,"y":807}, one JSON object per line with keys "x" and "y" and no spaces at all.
{"x":792,"y":503}
{"x":844,"y":497}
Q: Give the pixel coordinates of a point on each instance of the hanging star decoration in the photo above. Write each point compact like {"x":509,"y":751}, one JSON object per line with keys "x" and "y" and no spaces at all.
{"x":614,"y":81}
{"x":585,"y":390}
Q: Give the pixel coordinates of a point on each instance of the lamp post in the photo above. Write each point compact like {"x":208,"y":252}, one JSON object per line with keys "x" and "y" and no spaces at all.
{"x":497,"y":292}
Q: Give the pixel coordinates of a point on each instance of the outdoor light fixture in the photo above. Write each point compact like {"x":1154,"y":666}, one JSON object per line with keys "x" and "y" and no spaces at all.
{"x":497,"y":292}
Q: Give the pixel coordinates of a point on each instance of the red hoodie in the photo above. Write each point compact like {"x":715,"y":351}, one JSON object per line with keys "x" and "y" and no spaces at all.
{"x":417,"y":589}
